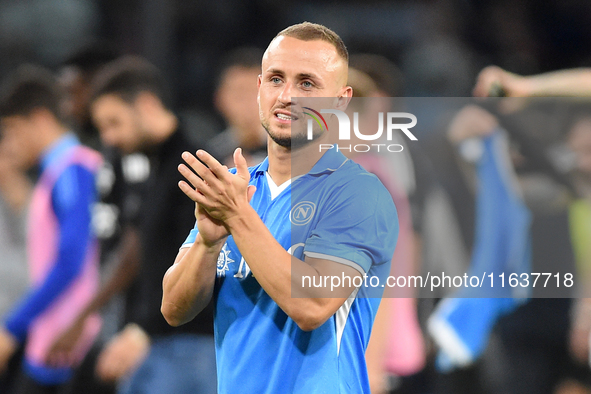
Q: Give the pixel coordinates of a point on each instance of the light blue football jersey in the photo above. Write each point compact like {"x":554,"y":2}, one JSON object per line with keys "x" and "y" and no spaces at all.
{"x":340,"y":212}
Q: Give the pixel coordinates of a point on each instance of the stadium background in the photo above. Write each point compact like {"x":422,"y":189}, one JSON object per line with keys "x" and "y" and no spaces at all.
{"x":439,"y":45}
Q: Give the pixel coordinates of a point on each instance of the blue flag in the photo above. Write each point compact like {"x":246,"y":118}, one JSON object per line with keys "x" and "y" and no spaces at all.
{"x":462,"y":325}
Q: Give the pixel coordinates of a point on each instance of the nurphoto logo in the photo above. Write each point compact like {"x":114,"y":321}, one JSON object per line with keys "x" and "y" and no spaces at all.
{"x":391,"y":121}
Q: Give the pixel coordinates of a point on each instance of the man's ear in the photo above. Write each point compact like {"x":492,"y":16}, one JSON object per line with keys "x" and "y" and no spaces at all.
{"x":344,"y":98}
{"x":147,"y":102}
{"x":259,"y":81}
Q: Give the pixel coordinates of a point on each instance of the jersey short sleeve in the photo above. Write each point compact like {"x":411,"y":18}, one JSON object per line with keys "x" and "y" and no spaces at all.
{"x":191,"y":237}
{"x":359,"y":225}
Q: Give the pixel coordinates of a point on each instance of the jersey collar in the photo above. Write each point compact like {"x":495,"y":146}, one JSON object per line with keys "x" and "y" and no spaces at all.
{"x":331,"y":161}
{"x":263,"y":167}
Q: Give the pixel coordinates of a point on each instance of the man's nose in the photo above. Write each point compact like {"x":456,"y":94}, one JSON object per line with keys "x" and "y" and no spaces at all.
{"x":285,"y":96}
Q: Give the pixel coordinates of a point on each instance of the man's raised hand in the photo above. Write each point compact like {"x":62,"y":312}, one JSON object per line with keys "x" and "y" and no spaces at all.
{"x":218,"y":194}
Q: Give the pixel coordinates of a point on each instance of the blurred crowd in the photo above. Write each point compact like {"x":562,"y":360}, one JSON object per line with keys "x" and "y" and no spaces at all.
{"x":91,"y":215}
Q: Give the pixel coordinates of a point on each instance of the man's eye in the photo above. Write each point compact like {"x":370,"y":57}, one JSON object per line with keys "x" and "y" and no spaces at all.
{"x":276,"y":80}
{"x":307,"y":84}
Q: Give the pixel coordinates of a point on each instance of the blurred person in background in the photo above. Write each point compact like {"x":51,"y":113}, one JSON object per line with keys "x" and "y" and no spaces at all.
{"x":15,"y":192}
{"x":387,"y":78}
{"x":579,"y":141}
{"x":75,"y":75}
{"x":494,"y":80}
{"x":531,"y":352}
{"x":62,"y":251}
{"x":389,"y":359}
{"x":430,"y":207}
{"x":130,"y":105}
{"x":236,"y":99}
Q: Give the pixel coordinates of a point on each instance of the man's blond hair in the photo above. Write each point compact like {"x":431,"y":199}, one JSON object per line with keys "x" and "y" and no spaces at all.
{"x":308,"y":31}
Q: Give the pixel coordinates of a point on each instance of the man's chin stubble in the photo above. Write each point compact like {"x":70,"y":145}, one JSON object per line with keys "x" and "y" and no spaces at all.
{"x":291,"y":143}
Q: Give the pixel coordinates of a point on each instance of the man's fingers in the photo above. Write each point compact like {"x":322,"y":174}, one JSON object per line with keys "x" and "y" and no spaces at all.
{"x":105,"y":366}
{"x":250,"y":191}
{"x":193,"y":194}
{"x":197,"y":182}
{"x":112,"y":365}
{"x":201,"y":169}
{"x":215,"y":167}
{"x":485,"y":80}
{"x":241,"y":166}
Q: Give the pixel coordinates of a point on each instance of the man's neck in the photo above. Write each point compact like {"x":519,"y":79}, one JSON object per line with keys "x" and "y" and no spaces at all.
{"x":285,"y":163}
{"x":279,"y":162}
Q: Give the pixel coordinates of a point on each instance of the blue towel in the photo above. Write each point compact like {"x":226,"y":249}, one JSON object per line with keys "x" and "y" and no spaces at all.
{"x":462,"y":325}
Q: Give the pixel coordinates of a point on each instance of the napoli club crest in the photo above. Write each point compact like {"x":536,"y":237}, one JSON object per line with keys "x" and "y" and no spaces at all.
{"x":223,"y":261}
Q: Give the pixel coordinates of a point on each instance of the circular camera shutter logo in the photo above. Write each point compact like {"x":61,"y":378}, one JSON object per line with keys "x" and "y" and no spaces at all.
{"x":302,"y":213}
